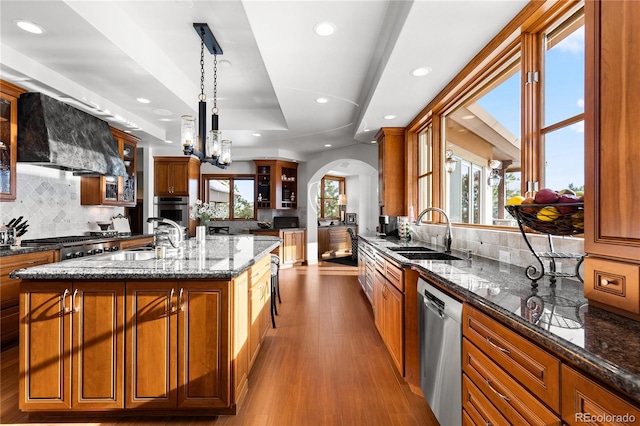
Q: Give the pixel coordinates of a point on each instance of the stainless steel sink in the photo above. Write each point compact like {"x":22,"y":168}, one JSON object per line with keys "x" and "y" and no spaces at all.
{"x":432,"y":255}
{"x":410,"y":249}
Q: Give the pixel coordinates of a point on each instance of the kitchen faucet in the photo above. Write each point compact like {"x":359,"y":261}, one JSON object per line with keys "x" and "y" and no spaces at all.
{"x":447,"y":234}
{"x":172,"y":223}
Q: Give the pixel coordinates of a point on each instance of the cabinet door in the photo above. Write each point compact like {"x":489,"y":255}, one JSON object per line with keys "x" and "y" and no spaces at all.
{"x":393,"y":301}
{"x":240,"y":336}
{"x":293,"y":246}
{"x":179,"y":179}
{"x":45,"y":333}
{"x":162,"y":186}
{"x":203,"y":344}
{"x":378,"y":302}
{"x":9,"y":136}
{"x":257,"y":295}
{"x":300,"y":246}
{"x":151,"y":359}
{"x":98,"y":345}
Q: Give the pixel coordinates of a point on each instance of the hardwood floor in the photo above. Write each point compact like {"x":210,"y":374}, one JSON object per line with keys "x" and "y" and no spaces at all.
{"x":324,"y":364}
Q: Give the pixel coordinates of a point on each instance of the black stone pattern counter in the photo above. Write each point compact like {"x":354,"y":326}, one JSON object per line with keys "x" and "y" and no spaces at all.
{"x":220,"y":257}
{"x":601,"y":343}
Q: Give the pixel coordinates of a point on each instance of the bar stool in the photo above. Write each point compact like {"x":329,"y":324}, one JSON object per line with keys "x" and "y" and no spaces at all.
{"x":275,"y":287}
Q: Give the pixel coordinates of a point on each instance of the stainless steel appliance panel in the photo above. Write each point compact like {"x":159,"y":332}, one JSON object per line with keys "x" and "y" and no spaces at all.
{"x":173,"y":208}
{"x":440,"y":324}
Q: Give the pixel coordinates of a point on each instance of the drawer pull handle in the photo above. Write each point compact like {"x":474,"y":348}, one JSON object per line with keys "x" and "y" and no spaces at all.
{"x":64,"y":296}
{"x":500,"y":348}
{"x":180,"y":301}
{"x":171,"y":300}
{"x":74,"y":307}
{"x":606,"y":282}
{"x":505,"y":397}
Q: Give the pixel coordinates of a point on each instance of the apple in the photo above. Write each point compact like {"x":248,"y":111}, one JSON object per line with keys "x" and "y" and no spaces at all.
{"x":530,"y":210}
{"x":546,"y":196}
{"x":567,"y":199}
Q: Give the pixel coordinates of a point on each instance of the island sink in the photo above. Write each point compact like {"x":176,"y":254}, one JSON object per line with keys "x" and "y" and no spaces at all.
{"x":433,"y":255}
{"x":410,"y":249}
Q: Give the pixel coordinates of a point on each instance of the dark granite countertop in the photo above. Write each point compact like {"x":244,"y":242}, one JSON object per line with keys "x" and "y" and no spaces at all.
{"x":557,"y":317}
{"x":221,"y":257}
{"x":22,"y":250}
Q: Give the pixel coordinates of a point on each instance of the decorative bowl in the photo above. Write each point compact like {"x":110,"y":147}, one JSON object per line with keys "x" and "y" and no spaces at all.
{"x":264,"y":225}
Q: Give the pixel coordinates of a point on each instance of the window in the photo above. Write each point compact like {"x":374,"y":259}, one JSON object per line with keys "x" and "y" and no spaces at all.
{"x":234,"y":194}
{"x":329,"y":192}
{"x":563,"y":127}
{"x":522,"y":107}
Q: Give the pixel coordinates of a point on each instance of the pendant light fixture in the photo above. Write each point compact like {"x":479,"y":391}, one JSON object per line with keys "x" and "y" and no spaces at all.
{"x":494,"y":176}
{"x":449,"y":162}
{"x":214,"y":150}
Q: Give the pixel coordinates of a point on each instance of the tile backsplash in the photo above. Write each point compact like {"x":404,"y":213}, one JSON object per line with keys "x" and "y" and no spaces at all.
{"x":506,"y":246}
{"x":50,"y":200}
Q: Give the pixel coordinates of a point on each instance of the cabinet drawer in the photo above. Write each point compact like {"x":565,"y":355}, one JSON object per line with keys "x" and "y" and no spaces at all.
{"x":583,"y":401}
{"x":533,"y":367}
{"x":394,"y":275}
{"x":612,"y":283}
{"x":477,"y":407}
{"x":10,"y":288}
{"x":261,"y":267}
{"x":380,"y":262}
{"x":512,"y":400}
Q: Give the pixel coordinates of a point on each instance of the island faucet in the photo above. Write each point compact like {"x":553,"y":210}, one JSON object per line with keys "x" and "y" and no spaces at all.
{"x":447,"y":234}
{"x":177,"y":227}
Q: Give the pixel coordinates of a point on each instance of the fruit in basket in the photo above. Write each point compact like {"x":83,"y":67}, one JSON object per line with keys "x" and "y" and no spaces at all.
{"x":528,"y":200}
{"x":546,"y":196}
{"x":568,"y":199}
{"x":566,"y":192}
{"x":515,"y":200}
{"x":578,"y":220}
{"x":548,"y":214}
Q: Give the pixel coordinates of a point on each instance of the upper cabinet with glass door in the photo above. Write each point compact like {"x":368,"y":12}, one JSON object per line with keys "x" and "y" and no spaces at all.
{"x":8,"y":139}
{"x":114,"y":190}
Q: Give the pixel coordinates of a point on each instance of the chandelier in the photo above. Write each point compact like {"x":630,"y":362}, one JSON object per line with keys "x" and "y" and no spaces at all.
{"x":210,"y":148}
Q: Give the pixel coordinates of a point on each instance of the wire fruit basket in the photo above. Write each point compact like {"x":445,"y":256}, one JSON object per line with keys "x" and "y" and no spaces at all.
{"x":551,"y":219}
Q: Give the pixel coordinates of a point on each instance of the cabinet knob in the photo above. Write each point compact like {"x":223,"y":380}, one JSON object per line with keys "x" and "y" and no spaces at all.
{"x":606,"y":282}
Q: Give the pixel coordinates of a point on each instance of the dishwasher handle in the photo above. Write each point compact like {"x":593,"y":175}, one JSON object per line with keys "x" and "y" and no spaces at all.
{"x":433,"y":307}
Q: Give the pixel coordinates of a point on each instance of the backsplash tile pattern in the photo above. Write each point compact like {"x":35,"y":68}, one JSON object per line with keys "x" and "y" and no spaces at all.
{"x":50,"y":200}
{"x":488,"y":243}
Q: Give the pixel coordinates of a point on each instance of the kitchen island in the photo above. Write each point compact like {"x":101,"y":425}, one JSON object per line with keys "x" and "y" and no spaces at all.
{"x":545,"y":343}
{"x":128,"y":333}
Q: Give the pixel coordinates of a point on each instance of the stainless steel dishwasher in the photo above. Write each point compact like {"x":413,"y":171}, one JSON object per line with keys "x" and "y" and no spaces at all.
{"x":440,"y":319}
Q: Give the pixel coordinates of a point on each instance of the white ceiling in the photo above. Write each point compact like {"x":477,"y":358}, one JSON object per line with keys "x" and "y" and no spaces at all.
{"x":102,"y":55}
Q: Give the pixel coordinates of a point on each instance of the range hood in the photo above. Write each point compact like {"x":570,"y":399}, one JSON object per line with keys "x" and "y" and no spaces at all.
{"x":54,"y":134}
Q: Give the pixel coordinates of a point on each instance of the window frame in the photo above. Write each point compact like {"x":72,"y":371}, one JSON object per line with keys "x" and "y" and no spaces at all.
{"x":204,"y":196}
{"x":321,"y":201}
{"x":521,"y":36}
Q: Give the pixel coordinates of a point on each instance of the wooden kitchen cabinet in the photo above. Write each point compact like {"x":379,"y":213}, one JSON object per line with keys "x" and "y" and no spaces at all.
{"x":292,"y":250}
{"x":334,"y":239}
{"x":9,"y":95}
{"x":612,"y":148}
{"x":366,"y":268}
{"x":583,"y":401}
{"x":388,"y":307}
{"x":136,"y":243}
{"x":176,"y":332}
{"x":259,"y":305}
{"x":391,"y":171}
{"x":75,"y":352}
{"x":114,"y":190}
{"x":277,"y":184}
{"x":178,"y":176}
{"x":10,"y":290}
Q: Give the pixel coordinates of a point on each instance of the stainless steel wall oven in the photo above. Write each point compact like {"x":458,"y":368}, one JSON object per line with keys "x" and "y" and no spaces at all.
{"x":174,"y":208}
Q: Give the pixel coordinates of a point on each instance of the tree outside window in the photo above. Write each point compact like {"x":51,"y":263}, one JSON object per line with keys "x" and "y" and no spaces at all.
{"x":234,"y":195}
{"x":329,"y":191}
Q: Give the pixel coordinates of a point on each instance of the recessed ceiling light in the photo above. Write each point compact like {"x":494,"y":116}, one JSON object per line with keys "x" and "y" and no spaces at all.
{"x":468,"y":117}
{"x":165,"y":119}
{"x":374,"y":141}
{"x":420,"y":72}
{"x":224,"y":63}
{"x":30,"y":27}
{"x":143,"y":100}
{"x":324,"y":28}
{"x":322,"y":100}
{"x":168,"y":141}
{"x":256,"y":134}
{"x":389,"y":117}
{"x":327,"y":145}
{"x":366,"y":129}
{"x":160,"y":111}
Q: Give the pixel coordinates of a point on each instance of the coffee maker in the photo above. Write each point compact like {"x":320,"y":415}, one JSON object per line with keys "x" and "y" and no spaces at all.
{"x":388,"y":225}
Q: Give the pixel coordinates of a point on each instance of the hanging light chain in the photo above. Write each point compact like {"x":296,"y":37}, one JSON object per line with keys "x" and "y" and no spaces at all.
{"x":215,"y":83}
{"x":202,"y":97}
